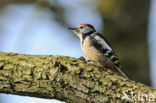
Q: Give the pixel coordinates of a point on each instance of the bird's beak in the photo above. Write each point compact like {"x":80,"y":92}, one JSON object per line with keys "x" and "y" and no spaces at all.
{"x":71,"y":28}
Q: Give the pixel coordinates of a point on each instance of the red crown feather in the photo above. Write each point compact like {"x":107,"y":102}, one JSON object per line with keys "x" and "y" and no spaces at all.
{"x":88,"y":25}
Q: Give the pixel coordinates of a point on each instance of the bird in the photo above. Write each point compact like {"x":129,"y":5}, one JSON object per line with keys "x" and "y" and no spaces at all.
{"x":97,"y":49}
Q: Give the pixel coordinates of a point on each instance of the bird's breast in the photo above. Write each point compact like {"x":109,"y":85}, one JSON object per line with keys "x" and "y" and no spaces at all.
{"x":91,"y":52}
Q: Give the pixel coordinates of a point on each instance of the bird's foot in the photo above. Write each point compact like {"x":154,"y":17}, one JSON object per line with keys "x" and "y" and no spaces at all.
{"x":90,"y":62}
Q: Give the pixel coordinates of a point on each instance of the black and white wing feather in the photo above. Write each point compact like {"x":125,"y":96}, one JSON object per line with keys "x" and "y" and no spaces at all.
{"x":101,"y":44}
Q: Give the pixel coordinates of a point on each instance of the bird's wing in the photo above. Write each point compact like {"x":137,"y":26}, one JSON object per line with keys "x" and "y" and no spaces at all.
{"x":101,"y":44}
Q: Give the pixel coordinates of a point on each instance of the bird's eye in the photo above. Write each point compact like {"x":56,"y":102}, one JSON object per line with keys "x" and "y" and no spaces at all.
{"x":81,"y":27}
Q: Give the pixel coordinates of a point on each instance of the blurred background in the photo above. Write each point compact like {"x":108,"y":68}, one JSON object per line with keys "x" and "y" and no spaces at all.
{"x":40,"y":27}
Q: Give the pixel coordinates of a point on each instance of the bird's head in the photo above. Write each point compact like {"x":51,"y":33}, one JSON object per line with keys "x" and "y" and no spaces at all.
{"x":83,"y":29}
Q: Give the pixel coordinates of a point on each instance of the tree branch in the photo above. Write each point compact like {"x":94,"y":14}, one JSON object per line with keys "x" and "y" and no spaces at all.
{"x":66,"y":79}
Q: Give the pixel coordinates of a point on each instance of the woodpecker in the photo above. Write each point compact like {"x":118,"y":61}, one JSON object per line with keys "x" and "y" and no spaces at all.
{"x":96,"y":48}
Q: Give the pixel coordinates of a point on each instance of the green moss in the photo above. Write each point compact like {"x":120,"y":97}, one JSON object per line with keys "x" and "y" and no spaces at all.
{"x":64,"y":78}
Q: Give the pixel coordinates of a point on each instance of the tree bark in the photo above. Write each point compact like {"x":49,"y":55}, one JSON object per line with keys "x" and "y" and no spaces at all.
{"x":66,"y":79}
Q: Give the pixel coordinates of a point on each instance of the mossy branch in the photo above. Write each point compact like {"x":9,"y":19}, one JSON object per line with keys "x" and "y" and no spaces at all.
{"x":66,"y":79}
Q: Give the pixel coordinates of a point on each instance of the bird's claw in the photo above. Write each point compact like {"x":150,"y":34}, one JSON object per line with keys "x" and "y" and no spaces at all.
{"x":90,"y":61}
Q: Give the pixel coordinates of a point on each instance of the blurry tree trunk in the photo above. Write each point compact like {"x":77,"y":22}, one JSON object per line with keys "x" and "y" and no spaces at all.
{"x":64,"y":78}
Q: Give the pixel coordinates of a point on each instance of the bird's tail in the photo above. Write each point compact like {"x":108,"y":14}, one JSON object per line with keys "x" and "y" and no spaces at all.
{"x":122,"y":72}
{"x":117,"y":68}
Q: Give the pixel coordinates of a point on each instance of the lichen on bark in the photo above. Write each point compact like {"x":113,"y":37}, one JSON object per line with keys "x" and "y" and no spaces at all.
{"x":64,"y":78}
